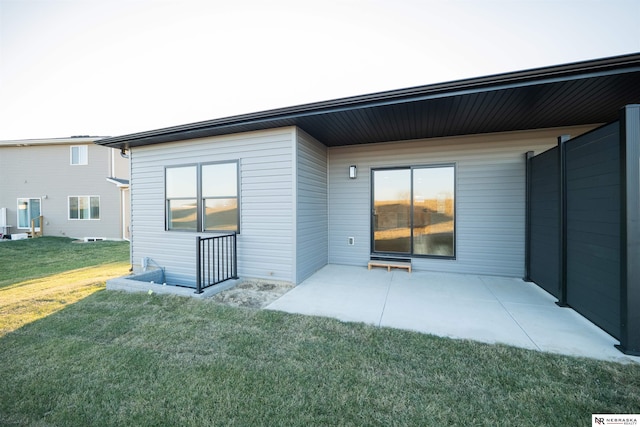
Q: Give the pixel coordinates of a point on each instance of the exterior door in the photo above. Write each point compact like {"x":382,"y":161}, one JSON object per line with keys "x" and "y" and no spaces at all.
{"x":29,"y":209}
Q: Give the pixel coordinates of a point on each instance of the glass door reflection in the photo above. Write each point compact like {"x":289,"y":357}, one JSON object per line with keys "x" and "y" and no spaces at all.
{"x":392,"y":211}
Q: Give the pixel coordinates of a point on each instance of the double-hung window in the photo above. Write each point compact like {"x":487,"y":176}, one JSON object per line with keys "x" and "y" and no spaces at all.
{"x":79,"y":155}
{"x":182,"y":197}
{"x":202,"y":197}
{"x":84,"y":207}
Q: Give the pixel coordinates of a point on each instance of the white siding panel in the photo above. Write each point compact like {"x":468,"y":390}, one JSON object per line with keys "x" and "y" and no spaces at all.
{"x":266,"y":203}
{"x":311,"y":209}
{"x":490,"y":197}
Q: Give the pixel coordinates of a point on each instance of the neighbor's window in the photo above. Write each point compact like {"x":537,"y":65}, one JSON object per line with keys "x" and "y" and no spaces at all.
{"x":79,"y":155}
{"x":202,"y":197}
{"x":413,"y":211}
{"x":84,"y":207}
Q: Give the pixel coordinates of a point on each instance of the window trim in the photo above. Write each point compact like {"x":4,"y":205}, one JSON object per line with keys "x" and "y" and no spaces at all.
{"x":411,"y":254}
{"x":200,"y":200}
{"x":83,"y":160}
{"x":89,"y":197}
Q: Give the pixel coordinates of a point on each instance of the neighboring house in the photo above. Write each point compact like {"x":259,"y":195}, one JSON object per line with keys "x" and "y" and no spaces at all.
{"x":80,"y":189}
{"x":433,"y":175}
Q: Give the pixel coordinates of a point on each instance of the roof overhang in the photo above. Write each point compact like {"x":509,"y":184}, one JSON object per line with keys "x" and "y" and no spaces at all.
{"x":72,"y":140}
{"x":580,"y":93}
{"x":121,"y":183}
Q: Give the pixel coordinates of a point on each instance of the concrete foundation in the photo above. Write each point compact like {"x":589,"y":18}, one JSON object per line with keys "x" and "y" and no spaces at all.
{"x":153,"y":281}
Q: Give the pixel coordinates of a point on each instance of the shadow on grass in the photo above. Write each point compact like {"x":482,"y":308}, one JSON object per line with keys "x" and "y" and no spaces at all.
{"x":44,"y":256}
{"x":135,"y":359}
{"x":30,"y":300}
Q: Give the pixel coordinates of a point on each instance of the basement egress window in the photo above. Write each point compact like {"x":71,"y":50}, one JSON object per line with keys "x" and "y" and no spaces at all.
{"x":202,"y":197}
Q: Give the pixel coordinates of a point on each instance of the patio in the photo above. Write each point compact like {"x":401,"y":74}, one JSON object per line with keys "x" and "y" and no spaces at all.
{"x":482,"y":308}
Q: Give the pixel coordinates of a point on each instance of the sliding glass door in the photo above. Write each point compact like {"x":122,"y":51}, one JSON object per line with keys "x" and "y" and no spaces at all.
{"x":413,"y":211}
{"x":29,"y":209}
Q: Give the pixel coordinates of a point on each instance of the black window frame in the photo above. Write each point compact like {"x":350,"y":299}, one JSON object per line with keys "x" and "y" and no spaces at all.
{"x":200,"y":200}
{"x":411,"y":253}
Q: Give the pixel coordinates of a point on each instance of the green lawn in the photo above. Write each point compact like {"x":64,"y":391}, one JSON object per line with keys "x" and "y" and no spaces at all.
{"x":41,"y":276}
{"x":149,"y":360}
{"x":22,"y":260}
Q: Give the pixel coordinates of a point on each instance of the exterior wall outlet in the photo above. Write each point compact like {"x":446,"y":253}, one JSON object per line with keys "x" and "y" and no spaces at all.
{"x":351,"y":241}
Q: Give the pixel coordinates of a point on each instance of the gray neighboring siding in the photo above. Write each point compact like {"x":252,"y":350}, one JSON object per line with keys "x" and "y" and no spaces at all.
{"x":40,"y":170}
{"x":311,"y":201}
{"x":266,"y":203}
{"x":490,"y":197}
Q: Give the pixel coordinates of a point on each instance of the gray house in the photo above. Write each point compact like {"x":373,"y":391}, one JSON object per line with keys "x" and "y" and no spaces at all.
{"x":438,"y":177}
{"x":63,"y":187}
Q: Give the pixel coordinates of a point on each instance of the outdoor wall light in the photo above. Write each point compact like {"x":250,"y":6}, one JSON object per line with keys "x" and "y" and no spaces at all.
{"x":352,"y":172}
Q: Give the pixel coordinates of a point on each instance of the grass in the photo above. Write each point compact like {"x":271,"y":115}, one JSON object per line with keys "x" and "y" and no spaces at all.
{"x":34,"y":282}
{"x":150,"y":360}
{"x":22,"y":260}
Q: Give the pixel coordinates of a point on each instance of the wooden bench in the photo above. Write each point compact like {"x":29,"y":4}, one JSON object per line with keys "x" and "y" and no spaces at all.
{"x":390,"y":264}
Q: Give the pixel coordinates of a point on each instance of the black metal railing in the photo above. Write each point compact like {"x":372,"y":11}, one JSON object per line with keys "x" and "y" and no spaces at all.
{"x":216,"y":260}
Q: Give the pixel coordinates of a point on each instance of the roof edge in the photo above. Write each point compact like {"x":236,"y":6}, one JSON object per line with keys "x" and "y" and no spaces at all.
{"x":51,"y":141}
{"x":529,"y":76}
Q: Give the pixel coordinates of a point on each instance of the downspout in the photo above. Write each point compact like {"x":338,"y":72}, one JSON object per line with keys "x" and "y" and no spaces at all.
{"x":113,"y":163}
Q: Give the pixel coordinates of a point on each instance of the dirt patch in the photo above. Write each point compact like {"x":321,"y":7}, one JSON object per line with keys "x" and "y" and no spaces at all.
{"x":253,"y":293}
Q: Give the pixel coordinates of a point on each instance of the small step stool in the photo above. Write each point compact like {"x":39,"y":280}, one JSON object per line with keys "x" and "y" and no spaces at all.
{"x":390,"y":264}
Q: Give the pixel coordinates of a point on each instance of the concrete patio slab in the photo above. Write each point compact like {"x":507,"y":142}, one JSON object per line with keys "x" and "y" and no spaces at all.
{"x":481,"y":308}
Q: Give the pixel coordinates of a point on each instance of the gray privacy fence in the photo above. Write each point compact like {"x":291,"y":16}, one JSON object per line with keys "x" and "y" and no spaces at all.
{"x":583,"y":232}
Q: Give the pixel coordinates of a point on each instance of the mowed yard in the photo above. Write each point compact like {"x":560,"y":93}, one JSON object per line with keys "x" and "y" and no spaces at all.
{"x":74,"y":354}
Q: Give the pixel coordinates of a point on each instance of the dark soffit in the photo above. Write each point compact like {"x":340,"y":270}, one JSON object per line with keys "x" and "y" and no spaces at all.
{"x":580,"y":93}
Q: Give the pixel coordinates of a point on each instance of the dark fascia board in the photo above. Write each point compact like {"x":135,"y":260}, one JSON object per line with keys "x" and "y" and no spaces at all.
{"x":287,"y":115}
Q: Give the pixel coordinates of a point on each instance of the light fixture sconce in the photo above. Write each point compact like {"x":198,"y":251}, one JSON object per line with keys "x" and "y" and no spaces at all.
{"x":352,"y":172}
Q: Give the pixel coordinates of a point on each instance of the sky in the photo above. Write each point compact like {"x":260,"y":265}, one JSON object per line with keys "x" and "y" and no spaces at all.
{"x":113,"y":67}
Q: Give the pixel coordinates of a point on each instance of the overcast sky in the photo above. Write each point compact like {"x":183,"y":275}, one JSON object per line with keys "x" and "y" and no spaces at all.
{"x":111,"y":67}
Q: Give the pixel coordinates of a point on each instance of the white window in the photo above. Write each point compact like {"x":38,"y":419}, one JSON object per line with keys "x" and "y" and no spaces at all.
{"x":28,"y":209}
{"x":79,"y":155}
{"x":84,"y":207}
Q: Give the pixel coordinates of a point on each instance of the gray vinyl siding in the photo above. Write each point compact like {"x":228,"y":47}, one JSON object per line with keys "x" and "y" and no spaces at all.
{"x":311,"y":200}
{"x":40,"y":170}
{"x":265,"y":242}
{"x":490,"y":197}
